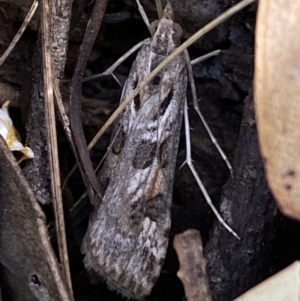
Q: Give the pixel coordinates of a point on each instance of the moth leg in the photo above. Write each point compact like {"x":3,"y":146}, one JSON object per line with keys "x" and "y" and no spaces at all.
{"x":195,"y":174}
{"x":196,"y":105}
{"x":113,"y":67}
{"x":205,"y":57}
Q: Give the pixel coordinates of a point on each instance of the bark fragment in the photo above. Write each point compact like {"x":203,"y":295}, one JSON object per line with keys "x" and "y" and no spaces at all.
{"x":235,"y":266}
{"x":29,"y":270}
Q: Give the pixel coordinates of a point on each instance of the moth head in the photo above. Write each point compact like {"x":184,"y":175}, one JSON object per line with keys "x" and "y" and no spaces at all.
{"x":177,"y":30}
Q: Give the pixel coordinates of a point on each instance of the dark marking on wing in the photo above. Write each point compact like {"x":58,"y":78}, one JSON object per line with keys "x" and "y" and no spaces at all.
{"x":119,"y":143}
{"x":145,"y":251}
{"x":134,"y":84}
{"x":156,"y":207}
{"x":144,"y":155}
{"x":156,"y":80}
{"x":164,"y":105}
{"x":151,"y":265}
{"x":152,"y":258}
{"x":137,"y":211}
{"x":163,"y":153}
{"x":137,"y":102}
{"x":153,"y":128}
{"x":159,"y":51}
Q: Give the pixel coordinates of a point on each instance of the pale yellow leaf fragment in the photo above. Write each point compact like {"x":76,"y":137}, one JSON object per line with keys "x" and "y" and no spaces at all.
{"x":277,"y":99}
{"x":10,"y":135}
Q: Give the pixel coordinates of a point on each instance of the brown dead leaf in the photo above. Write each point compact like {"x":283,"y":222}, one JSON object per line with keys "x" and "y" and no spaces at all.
{"x":277,"y":90}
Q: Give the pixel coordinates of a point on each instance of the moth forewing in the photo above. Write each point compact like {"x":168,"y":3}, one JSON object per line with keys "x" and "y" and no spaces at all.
{"x":127,"y":237}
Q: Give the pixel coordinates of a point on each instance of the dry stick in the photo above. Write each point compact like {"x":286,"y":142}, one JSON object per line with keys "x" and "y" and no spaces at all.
{"x":64,"y":118}
{"x":62,"y":112}
{"x":84,"y":161}
{"x":220,"y":19}
{"x":20,"y":31}
{"x":159,"y":8}
{"x":52,"y":145}
{"x":192,"y":272}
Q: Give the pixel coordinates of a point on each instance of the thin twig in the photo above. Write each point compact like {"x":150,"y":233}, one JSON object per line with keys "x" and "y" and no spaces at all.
{"x":159,"y":8}
{"x":52,"y":144}
{"x":62,"y":112}
{"x":18,"y":35}
{"x":81,"y":149}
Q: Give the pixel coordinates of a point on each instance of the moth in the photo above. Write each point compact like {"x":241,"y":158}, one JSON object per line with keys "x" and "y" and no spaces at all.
{"x":127,"y":236}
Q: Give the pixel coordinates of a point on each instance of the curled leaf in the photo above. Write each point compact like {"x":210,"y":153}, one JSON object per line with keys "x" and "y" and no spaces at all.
{"x":9,"y":133}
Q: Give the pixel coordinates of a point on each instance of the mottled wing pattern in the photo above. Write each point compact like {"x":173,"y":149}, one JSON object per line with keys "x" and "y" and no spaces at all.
{"x":120,"y":132}
{"x":127,"y":238}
